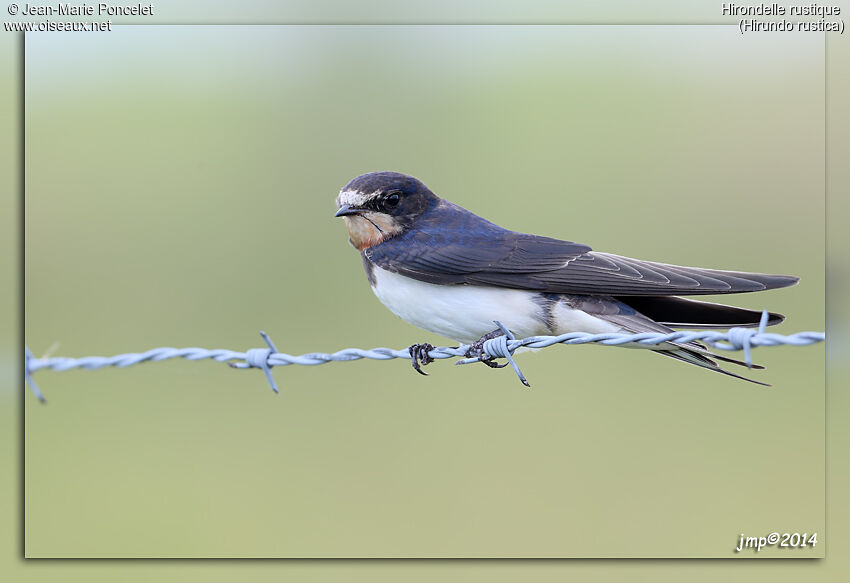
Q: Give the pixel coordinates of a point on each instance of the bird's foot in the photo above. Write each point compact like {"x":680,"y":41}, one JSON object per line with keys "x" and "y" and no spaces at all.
{"x":419,"y":354}
{"x":476,"y":350}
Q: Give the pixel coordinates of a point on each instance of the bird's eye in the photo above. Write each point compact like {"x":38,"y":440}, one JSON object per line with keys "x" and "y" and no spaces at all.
{"x":391,"y":200}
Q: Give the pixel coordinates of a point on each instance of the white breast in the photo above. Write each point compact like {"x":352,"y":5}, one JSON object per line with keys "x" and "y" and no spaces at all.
{"x":466,"y":312}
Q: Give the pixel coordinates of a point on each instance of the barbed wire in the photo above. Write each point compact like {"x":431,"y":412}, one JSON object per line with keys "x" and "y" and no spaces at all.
{"x":501,"y":347}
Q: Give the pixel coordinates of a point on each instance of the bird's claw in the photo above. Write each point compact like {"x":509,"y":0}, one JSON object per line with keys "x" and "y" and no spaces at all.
{"x":491,"y":362}
{"x":476,"y":350}
{"x":419,"y":354}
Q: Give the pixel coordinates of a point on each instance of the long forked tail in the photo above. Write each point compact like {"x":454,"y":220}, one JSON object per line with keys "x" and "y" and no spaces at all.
{"x":698,"y":356}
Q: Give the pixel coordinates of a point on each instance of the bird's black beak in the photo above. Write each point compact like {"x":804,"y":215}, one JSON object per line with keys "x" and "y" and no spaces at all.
{"x":347,"y":210}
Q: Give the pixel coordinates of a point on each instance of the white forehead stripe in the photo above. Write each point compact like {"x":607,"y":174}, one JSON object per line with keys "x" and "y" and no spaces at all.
{"x":353,"y":197}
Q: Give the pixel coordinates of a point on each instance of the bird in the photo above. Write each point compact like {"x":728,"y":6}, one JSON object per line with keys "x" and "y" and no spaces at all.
{"x":446,"y":270}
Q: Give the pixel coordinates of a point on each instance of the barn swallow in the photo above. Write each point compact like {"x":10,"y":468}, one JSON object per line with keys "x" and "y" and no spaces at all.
{"x":442,"y":268}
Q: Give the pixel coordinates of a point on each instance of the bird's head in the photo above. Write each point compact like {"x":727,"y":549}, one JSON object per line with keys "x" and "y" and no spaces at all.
{"x":381,"y":205}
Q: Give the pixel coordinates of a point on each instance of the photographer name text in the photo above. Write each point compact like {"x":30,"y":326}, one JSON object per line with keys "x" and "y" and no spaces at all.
{"x":100,"y":9}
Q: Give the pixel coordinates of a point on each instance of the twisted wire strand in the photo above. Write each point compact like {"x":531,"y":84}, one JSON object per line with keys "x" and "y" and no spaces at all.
{"x":501,"y":347}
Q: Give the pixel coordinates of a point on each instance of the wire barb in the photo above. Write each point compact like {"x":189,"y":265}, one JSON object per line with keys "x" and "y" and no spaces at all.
{"x":500,"y":347}
{"x":259,"y":358}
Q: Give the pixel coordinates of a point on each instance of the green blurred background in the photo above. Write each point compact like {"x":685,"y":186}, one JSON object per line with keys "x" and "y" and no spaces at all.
{"x":180,"y":186}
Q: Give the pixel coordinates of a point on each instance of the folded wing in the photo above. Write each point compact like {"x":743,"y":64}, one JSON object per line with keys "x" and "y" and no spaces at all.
{"x":454,"y":246}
